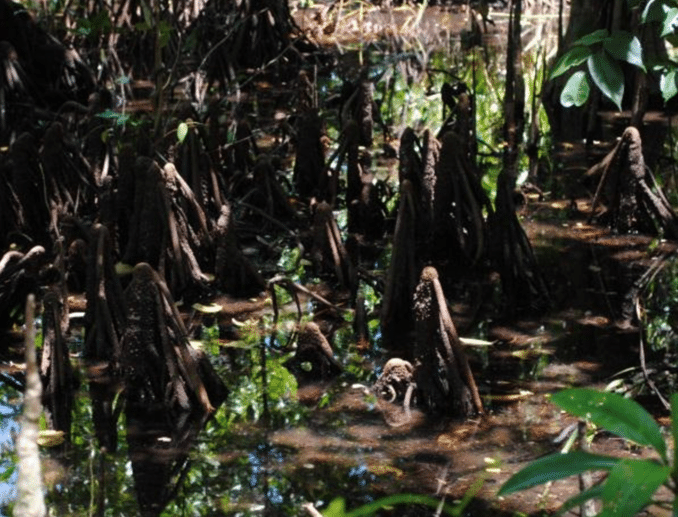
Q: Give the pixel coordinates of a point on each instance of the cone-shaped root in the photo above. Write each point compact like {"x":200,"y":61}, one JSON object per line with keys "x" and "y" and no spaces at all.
{"x":159,"y":364}
{"x":444,"y":379}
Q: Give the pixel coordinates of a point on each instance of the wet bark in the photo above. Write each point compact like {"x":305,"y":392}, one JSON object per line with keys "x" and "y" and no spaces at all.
{"x":234,"y":273}
{"x":167,"y":227}
{"x":56,"y":371}
{"x":159,"y":364}
{"x":233,"y":36}
{"x":445,"y":383}
{"x":105,"y":314}
{"x":20,"y":274}
{"x":314,"y":359}
{"x":395,"y":380}
{"x":522,"y":283}
{"x":310,"y":175}
{"x":635,"y":202}
{"x":397,"y":319}
{"x":329,"y":253}
{"x":366,"y":212}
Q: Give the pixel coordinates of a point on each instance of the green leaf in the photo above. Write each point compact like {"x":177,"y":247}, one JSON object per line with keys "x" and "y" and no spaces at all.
{"x":594,"y":37}
{"x":556,"y":466}
{"x":668,"y":84}
{"x":576,"y":90}
{"x":674,"y":427}
{"x":182,"y":131}
{"x":653,"y":12}
{"x":337,"y":508}
{"x":625,"y":46}
{"x":594,"y":492}
{"x":573,"y":57}
{"x":630,"y":486}
{"x":669,"y":22}
{"x":607,"y":75}
{"x":613,"y":412}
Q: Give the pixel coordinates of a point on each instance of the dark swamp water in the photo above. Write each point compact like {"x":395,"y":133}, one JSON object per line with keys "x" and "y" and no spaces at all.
{"x":313,"y":442}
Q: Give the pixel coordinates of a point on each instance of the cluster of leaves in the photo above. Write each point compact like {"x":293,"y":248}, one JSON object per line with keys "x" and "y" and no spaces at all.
{"x":602,"y":51}
{"x":631,"y":484}
{"x":246,"y":402}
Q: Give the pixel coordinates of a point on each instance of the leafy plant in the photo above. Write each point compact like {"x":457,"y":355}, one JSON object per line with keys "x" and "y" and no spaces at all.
{"x":601,"y":52}
{"x":631,"y":483}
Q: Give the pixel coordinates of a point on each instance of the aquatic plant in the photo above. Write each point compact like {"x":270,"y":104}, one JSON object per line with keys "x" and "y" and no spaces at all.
{"x":631,"y":484}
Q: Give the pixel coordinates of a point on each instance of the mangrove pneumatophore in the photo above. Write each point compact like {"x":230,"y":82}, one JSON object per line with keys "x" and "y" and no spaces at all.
{"x":314,"y":359}
{"x":167,"y":227}
{"x":159,"y":364}
{"x":445,"y":382}
{"x":633,"y":200}
{"x":233,"y":271}
{"x":56,"y":371}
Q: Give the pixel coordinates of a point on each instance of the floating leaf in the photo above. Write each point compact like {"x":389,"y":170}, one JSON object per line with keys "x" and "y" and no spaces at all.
{"x":475,"y":342}
{"x":212,"y":308}
{"x":623,"y":417}
{"x":182,"y":131}
{"x":556,"y":466}
{"x":51,"y":438}
{"x":630,"y":486}
{"x":573,"y":57}
{"x":625,"y":46}
{"x":607,"y":75}
{"x":576,"y":90}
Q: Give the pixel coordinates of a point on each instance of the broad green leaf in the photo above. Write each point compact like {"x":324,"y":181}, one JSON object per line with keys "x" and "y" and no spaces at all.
{"x":668,"y":85}
{"x":626,"y":47}
{"x":630,"y":486}
{"x":607,"y":75}
{"x":594,"y":37}
{"x":576,"y":90}
{"x":573,"y":57}
{"x":336,"y":508}
{"x":674,"y":427}
{"x":556,"y":466}
{"x":212,"y":308}
{"x":623,"y":417}
{"x":655,"y":11}
{"x":595,"y":492}
{"x":669,"y":22}
{"x":182,"y":131}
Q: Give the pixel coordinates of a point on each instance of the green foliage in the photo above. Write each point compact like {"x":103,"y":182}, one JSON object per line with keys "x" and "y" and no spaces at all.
{"x":576,"y":90}
{"x":210,"y":339}
{"x":245,"y":402}
{"x":337,"y":508}
{"x":602,"y":51}
{"x":631,"y":483}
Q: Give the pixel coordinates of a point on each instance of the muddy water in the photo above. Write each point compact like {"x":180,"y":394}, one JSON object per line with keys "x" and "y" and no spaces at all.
{"x":336,"y":439}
